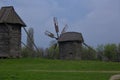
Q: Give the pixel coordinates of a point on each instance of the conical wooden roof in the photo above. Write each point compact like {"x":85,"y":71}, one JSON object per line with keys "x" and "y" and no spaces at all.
{"x":70,"y":36}
{"x":8,"y":15}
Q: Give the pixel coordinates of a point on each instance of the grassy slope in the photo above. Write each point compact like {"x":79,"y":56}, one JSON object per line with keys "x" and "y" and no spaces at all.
{"x":43,"y":69}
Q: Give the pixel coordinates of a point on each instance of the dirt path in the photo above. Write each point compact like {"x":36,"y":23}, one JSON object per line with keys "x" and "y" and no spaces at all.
{"x":73,"y":71}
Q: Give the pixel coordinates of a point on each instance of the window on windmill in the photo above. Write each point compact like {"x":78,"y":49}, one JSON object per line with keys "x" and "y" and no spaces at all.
{"x":14,"y":29}
{"x":71,"y":53}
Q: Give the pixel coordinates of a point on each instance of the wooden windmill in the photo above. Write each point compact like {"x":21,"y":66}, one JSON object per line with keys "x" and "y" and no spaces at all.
{"x":10,"y":33}
{"x":70,"y":43}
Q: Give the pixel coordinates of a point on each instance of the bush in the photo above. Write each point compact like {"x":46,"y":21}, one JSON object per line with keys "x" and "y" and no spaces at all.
{"x":25,"y":52}
{"x":108,"y":52}
{"x":88,"y":53}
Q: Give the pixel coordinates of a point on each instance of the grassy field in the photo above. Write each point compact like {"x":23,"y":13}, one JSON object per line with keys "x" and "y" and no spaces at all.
{"x":44,"y":69}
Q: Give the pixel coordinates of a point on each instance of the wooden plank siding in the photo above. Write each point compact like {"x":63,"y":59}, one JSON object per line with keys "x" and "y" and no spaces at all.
{"x":10,"y":33}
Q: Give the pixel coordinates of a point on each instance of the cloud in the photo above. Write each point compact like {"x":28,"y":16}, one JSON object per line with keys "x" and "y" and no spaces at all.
{"x":101,"y":25}
{"x":98,"y":20}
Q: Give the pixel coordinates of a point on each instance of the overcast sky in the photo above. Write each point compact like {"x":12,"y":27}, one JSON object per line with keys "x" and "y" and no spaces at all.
{"x":97,"y":20}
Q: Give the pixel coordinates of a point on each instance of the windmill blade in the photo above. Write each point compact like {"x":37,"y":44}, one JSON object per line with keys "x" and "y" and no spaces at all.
{"x":64,"y":29}
{"x":56,"y":24}
{"x":49,"y":34}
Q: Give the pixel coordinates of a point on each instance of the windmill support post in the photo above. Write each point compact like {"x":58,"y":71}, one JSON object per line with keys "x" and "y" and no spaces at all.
{"x":27,"y":35}
{"x":30,"y":39}
{"x":25,"y":45}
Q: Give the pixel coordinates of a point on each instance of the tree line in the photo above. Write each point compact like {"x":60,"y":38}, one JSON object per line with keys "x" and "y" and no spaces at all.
{"x":107,"y":52}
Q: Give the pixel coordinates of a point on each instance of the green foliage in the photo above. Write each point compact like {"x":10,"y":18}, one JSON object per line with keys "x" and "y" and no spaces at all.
{"x":100,"y":52}
{"x":44,"y":69}
{"x":53,"y":52}
{"x":118,"y":53}
{"x":88,"y":54}
{"x":36,"y":75}
{"x":108,"y":52}
{"x":26,"y":52}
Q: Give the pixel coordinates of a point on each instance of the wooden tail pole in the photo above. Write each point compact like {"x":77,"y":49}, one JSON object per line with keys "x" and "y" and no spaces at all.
{"x":88,"y":46}
{"x":25,"y":45}
{"x":30,"y":39}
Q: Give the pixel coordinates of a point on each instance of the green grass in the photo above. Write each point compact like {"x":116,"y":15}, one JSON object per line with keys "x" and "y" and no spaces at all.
{"x":44,"y":69}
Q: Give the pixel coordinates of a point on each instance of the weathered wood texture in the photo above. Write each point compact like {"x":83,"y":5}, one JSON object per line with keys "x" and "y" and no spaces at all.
{"x":10,"y":33}
{"x":15,"y":41}
{"x":70,"y":50}
{"x":70,"y":45}
{"x":10,"y":40}
{"x":4,"y":41}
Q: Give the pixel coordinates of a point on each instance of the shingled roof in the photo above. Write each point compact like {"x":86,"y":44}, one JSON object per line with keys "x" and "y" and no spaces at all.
{"x":8,"y":15}
{"x":71,"y":36}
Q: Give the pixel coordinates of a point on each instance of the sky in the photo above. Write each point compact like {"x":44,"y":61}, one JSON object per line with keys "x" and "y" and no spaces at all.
{"x":97,"y":20}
